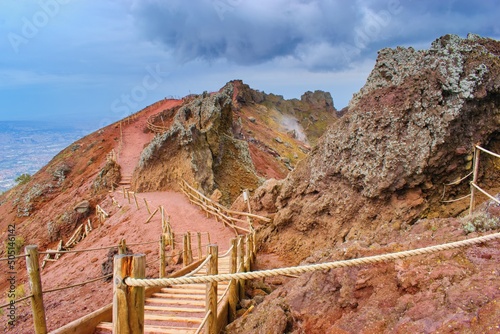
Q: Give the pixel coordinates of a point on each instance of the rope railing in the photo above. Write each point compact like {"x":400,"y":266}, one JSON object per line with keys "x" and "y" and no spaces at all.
{"x":227,"y":253}
{"x":308,"y":268}
{"x":13,"y":257}
{"x":77,"y":284}
{"x":217,"y":210}
{"x":203,"y":322}
{"x":201,"y":266}
{"x":456,"y":199}
{"x":485,"y":193}
{"x":458,"y":181}
{"x":473,"y":184}
{"x":143,"y":243}
{"x":175,"y":254}
{"x":225,"y":292}
{"x":51,"y":252}
{"x":152,"y":261}
{"x":16,"y":301}
{"x":486,"y":151}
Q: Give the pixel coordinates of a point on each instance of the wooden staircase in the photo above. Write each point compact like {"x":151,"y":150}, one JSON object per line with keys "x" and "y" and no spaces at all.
{"x":125,"y":181}
{"x":176,"y":309}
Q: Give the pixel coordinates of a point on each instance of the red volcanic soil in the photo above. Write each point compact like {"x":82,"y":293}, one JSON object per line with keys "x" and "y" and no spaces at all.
{"x":125,"y":222}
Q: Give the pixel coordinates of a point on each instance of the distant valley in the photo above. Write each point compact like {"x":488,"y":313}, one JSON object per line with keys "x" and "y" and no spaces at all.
{"x":27,"y":146}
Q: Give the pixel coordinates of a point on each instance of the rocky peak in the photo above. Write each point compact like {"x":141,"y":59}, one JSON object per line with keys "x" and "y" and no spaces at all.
{"x":323,"y":100}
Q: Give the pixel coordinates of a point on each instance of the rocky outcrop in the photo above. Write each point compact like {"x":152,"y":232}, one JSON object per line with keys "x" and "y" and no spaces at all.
{"x":199,"y":147}
{"x":231,"y":140}
{"x":308,"y":117}
{"x":376,"y":173}
{"x":409,"y":130}
{"x":108,"y":177}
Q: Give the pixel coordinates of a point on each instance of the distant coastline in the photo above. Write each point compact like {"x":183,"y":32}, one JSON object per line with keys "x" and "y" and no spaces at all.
{"x":26,"y":146}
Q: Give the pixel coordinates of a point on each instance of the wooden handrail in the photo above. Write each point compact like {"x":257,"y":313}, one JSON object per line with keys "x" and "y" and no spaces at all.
{"x":218,"y":210}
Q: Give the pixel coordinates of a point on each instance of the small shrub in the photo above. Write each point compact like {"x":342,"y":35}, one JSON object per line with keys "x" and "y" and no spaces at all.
{"x":23,"y":179}
{"x":480,"y":222}
{"x":60,"y":173}
{"x":18,"y":245}
{"x":54,"y":231}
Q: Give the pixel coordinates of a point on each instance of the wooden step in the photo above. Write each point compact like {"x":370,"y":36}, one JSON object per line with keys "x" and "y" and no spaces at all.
{"x":178,"y":296}
{"x":174,"y":309}
{"x":183,"y":291}
{"x":201,"y":291}
{"x":107,"y":327}
{"x":175,"y":302}
{"x":156,"y":317}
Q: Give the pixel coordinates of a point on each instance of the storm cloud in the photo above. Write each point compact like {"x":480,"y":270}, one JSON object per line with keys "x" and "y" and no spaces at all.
{"x":321,"y":35}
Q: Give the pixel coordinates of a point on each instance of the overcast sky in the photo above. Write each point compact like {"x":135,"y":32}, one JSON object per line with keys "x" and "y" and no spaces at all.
{"x":96,"y":61}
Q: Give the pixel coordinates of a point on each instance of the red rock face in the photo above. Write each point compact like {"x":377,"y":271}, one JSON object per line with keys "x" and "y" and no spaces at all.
{"x":368,"y":185}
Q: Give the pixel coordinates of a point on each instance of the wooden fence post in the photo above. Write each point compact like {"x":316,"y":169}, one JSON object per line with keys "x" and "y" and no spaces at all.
{"x":147,"y":205}
{"x":162,"y":255}
{"x":128,"y":301}
{"x":122,"y":247}
{"x":36,"y":289}
{"x":200,"y":251}
{"x":185,"y":250}
{"x":246,"y":198}
{"x":189,"y":248}
{"x":135,"y":199}
{"x":474,"y":179}
{"x":241,"y":267}
{"x":233,"y":292}
{"x":248,"y":253}
{"x":152,"y":215}
{"x":254,"y":244}
{"x":251,"y":248}
{"x":211,"y":326}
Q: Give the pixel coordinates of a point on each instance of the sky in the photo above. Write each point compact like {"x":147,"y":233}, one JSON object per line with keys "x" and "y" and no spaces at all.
{"x":92,"y":62}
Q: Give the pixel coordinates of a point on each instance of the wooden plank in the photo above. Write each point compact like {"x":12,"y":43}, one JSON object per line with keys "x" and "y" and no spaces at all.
{"x":151,"y":216}
{"x":201,"y":290}
{"x":88,"y":323}
{"x":155,"y":317}
{"x":174,"y":302}
{"x":153,"y":329}
{"x":174,"y":309}
{"x":179,"y":296}
{"x":169,"y":330}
